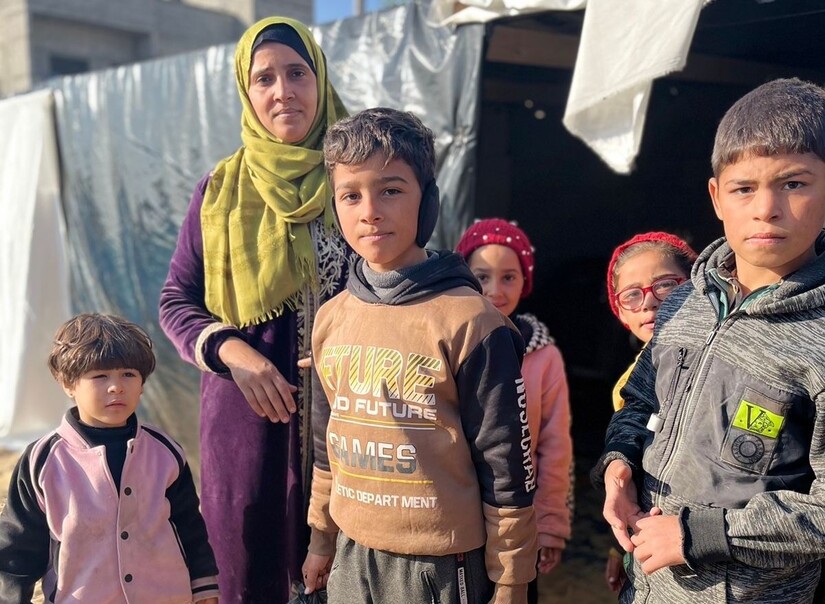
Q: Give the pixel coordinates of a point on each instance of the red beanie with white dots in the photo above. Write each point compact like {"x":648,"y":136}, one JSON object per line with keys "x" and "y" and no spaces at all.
{"x":500,"y":232}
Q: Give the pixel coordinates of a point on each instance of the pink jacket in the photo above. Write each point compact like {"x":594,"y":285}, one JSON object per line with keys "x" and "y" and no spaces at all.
{"x":548,"y":415}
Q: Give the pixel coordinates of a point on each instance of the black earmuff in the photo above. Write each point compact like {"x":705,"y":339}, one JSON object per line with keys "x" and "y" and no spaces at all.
{"x":427,"y":213}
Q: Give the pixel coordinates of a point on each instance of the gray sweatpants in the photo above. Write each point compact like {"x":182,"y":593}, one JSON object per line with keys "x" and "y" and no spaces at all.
{"x":361,"y":575}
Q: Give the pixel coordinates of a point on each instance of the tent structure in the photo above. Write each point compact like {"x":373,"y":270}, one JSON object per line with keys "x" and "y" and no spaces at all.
{"x":132,"y":142}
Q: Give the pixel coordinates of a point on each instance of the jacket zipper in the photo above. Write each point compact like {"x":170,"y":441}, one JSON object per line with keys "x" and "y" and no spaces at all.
{"x":429,"y":584}
{"x":657,"y":420}
{"x":680,"y":360}
{"x":677,"y":432}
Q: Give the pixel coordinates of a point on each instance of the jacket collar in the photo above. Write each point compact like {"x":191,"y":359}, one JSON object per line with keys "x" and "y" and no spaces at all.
{"x":71,"y":430}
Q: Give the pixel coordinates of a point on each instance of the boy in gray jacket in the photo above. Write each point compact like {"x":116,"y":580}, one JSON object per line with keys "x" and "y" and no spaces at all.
{"x":714,"y":471}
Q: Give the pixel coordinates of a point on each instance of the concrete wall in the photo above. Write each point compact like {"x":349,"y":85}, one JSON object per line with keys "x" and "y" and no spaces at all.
{"x":297,"y":9}
{"x":15,"y":54}
{"x":99,"y":47}
{"x":249,"y":11}
{"x":182,"y":28}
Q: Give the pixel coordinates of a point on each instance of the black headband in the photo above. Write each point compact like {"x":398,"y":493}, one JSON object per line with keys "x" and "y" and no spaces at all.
{"x":282,"y":33}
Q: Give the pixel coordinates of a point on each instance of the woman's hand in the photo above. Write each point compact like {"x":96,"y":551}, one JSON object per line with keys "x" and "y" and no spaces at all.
{"x":263,"y":386}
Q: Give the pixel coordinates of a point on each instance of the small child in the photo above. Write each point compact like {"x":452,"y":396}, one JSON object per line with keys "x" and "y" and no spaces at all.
{"x":717,"y":460}
{"x":641,"y":274}
{"x":423,"y":470}
{"x":104,"y":508}
{"x":501,"y":257}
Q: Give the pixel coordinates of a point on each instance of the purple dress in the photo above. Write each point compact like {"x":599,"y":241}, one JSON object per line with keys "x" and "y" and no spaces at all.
{"x":254,"y":473}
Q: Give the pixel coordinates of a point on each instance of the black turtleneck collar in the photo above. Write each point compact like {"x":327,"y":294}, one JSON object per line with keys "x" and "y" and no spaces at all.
{"x":115,"y":440}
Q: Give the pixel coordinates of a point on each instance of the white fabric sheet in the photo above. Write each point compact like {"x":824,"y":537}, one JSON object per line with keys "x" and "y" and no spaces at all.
{"x":34,"y":285}
{"x":624,"y":46}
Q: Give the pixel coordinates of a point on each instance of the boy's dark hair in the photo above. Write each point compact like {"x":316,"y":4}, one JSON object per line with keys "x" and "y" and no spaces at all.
{"x":782,"y":116}
{"x":93,"y":341}
{"x":393,"y":133}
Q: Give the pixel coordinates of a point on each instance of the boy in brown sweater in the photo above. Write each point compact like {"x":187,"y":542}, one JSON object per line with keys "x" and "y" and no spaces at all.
{"x":422,"y":468}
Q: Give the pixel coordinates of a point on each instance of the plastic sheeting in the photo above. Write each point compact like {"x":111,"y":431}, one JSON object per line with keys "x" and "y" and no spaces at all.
{"x":133,"y":143}
{"x":34,"y":288}
{"x":135,"y":140}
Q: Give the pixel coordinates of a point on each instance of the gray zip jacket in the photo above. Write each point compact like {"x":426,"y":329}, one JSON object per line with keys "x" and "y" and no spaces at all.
{"x":724,"y":426}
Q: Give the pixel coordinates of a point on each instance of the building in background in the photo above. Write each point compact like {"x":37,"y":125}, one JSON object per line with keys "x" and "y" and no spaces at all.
{"x":40,"y":39}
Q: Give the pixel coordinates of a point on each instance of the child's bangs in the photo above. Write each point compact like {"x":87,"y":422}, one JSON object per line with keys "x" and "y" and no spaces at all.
{"x":106,"y":354}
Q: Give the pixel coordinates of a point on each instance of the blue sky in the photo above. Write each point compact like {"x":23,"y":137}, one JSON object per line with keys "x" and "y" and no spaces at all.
{"x":332,"y":10}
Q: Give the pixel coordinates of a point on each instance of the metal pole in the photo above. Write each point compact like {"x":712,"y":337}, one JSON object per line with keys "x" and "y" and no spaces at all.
{"x":358,"y":7}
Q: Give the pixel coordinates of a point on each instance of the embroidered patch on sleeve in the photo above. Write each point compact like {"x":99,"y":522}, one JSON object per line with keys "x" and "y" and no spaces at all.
{"x":756,"y":419}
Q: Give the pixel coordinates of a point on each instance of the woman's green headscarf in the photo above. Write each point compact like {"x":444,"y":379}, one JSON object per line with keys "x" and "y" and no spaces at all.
{"x":257,"y":248}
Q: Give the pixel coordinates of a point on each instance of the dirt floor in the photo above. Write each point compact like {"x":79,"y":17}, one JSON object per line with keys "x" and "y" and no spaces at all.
{"x":578,"y":580}
{"x":580,"y":577}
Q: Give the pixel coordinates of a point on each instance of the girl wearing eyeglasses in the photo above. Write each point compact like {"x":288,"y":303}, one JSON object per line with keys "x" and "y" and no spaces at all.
{"x":641,"y":274}
{"x":501,"y":258}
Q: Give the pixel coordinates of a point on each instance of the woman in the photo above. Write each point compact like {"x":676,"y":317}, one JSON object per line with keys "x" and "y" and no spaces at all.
{"x":256,"y":255}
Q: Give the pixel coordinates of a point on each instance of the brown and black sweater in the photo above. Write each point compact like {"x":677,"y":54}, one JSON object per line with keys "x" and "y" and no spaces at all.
{"x":421,"y":438}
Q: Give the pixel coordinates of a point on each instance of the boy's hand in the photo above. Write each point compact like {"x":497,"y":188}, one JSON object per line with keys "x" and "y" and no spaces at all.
{"x":549,"y":558}
{"x":658,"y":542}
{"x":621,"y":507}
{"x":263,"y":386}
{"x":510,"y":594}
{"x":304,"y":363}
{"x":316,"y":572}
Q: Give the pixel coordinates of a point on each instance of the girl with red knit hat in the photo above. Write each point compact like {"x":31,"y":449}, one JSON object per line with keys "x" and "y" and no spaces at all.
{"x":642,"y":272}
{"x":500,"y":256}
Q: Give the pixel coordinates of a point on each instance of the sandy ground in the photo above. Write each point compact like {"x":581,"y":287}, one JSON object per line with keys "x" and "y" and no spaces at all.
{"x":579,"y":578}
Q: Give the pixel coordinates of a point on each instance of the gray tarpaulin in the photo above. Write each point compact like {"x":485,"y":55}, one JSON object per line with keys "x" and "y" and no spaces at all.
{"x":134,"y":140}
